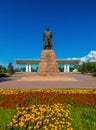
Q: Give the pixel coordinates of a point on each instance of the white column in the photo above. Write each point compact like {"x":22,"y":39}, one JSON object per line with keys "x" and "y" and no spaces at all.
{"x":29,"y":68}
{"x":65,"y":68}
{"x":68,"y":68}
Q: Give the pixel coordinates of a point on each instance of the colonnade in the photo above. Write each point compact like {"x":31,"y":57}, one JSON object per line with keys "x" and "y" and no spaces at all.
{"x":28,"y":68}
{"x":66,"y":68}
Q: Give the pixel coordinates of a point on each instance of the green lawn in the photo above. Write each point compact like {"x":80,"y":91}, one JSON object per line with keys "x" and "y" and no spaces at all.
{"x":84,"y":117}
{"x":5,"y":116}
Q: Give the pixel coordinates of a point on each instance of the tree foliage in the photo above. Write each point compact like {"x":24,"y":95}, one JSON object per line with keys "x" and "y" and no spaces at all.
{"x":79,"y":68}
{"x":17,"y":70}
{"x":10,"y":68}
{"x":89,"y":67}
{"x":3,"y":69}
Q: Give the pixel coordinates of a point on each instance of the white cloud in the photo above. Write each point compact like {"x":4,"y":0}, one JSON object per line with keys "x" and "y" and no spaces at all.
{"x":83,"y":59}
{"x":91,"y":57}
{"x":72,"y":59}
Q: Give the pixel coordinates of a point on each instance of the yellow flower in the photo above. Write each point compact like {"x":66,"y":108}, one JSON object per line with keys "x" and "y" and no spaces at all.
{"x":45,"y":127}
{"x":52,"y":125}
{"x":21,"y":123}
{"x":35,"y":127}
{"x":38,"y":113}
{"x":39,"y":123}
{"x":56,"y":127}
{"x":60,"y":127}
{"x":10,"y":124}
{"x":59,"y":114}
{"x":27,"y":108}
{"x":69,"y":128}
{"x":46,"y":121}
{"x":24,"y":112}
{"x":26,"y":115}
{"x":68,"y":124}
{"x":15,"y":116}
{"x":56,"y":122}
{"x":14,"y":120}
{"x":16,"y":125}
{"x":30,"y":127}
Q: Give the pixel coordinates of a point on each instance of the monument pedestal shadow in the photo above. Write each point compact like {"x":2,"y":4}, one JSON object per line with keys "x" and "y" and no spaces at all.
{"x":48,"y":65}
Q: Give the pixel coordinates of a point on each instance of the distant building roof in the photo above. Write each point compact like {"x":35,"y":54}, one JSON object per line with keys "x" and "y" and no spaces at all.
{"x":36,"y":61}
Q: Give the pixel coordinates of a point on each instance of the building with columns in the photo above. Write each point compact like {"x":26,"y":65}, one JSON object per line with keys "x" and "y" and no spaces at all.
{"x":29,"y":62}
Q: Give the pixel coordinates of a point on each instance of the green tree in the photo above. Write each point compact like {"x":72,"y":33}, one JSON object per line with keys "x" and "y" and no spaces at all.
{"x":79,"y":68}
{"x":5,"y":70}
{"x":0,"y":68}
{"x":94,"y":70}
{"x":89,"y":67}
{"x":84,"y":68}
{"x":17,"y":70}
{"x":10,"y":68}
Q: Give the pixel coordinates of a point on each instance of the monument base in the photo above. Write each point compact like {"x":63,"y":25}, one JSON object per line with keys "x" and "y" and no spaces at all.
{"x":48,"y":65}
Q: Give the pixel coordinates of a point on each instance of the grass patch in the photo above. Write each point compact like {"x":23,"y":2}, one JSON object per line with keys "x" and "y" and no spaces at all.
{"x":89,"y":118}
{"x":5,"y":116}
{"x":84,"y":117}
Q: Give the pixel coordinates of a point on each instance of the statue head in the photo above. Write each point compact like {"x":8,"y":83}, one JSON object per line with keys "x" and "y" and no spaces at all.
{"x":47,"y":28}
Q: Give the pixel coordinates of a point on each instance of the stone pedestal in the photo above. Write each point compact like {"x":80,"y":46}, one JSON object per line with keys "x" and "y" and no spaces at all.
{"x":48,"y":65}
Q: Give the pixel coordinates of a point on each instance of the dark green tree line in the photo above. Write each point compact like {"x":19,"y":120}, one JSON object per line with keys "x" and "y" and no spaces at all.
{"x":87,"y":67}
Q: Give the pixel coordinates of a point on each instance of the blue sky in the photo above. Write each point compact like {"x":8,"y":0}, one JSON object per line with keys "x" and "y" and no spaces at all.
{"x":22,"y":23}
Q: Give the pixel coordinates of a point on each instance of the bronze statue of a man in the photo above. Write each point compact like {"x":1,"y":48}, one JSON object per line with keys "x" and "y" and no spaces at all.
{"x":47,"y":39}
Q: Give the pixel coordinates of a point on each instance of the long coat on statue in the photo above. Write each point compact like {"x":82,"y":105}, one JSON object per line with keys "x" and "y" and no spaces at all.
{"x":47,"y":39}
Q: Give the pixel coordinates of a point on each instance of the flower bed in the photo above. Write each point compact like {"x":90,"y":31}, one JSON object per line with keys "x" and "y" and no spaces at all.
{"x":44,"y":109}
{"x":45,"y":117}
{"x":24,"y":97}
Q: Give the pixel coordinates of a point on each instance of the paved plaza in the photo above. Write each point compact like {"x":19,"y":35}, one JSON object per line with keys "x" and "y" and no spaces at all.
{"x":65,"y":80}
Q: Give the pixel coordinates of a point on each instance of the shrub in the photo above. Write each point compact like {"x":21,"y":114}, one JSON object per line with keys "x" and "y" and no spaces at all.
{"x":4,"y":75}
{"x":94,"y":74}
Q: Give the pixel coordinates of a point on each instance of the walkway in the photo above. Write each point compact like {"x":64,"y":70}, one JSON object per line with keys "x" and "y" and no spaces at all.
{"x":65,"y":80}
